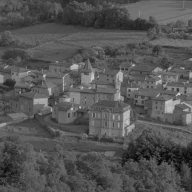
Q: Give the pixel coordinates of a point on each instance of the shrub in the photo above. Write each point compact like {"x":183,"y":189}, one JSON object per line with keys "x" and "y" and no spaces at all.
{"x":190,"y":23}
{"x":7,"y":38}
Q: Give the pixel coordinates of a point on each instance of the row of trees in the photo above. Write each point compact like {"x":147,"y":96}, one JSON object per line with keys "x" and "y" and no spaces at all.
{"x":24,"y":170}
{"x":21,"y":13}
{"x":110,"y":17}
{"x":152,"y":145}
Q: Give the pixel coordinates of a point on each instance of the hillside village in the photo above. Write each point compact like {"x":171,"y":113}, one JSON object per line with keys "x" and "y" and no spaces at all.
{"x":109,"y":100}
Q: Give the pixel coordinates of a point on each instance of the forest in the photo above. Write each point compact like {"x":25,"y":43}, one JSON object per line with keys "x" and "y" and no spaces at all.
{"x":151,"y":163}
{"x":20,"y":13}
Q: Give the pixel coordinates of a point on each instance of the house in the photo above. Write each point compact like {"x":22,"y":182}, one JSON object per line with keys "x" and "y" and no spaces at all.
{"x":145,"y":69}
{"x":17,"y":73}
{"x":105,"y":84}
{"x":86,"y":97}
{"x":46,"y":88}
{"x":126,"y":66}
{"x":181,"y":87}
{"x":65,"y":112}
{"x":163,"y":104}
{"x":146,"y":81}
{"x":62,"y":80}
{"x":183,"y":73}
{"x":64,"y":67}
{"x":111,"y":76}
{"x":14,"y":104}
{"x":5,"y":73}
{"x":168,"y":76}
{"x":22,"y":87}
{"x":128,"y":88}
{"x":142,"y":95}
{"x":31,"y":102}
{"x":109,"y":118}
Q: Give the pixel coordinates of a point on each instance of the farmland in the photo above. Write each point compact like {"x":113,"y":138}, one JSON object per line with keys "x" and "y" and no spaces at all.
{"x":163,"y":11}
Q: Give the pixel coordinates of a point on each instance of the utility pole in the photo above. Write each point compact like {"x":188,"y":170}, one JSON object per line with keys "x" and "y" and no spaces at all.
{"x":183,"y":4}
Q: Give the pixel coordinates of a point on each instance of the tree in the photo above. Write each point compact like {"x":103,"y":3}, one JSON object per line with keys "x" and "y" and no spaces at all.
{"x":190,"y":23}
{"x":10,"y":83}
{"x":15,"y":53}
{"x":180,"y":24}
{"x":165,"y":62}
{"x":152,"y":20}
{"x":156,"y":50}
{"x":7,"y":38}
{"x":149,"y":176}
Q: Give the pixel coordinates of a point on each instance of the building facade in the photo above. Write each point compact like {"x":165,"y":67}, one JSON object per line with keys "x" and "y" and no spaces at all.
{"x":109,"y":118}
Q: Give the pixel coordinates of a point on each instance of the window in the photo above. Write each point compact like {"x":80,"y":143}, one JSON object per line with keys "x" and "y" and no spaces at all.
{"x":117,"y":117}
{"x":156,"y":102}
{"x":177,"y":89}
{"x":136,"y":96}
{"x":151,"y":87}
{"x":172,"y":89}
{"x":129,"y":90}
{"x":105,"y":123}
{"x":135,"y":101}
{"x":122,"y":69}
{"x":93,"y":115}
{"x":126,"y":69}
{"x":129,"y":95}
{"x":105,"y":116}
{"x":68,"y":115}
{"x":147,"y":86}
{"x":107,"y":79}
{"x":85,"y":102}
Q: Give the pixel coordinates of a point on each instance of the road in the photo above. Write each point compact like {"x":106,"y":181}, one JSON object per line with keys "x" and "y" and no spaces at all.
{"x":179,"y":128}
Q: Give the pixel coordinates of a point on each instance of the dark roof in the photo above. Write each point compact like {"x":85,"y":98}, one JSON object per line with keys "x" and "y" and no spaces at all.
{"x":14,"y":97}
{"x":87,"y":67}
{"x":182,"y":106}
{"x":112,"y":104}
{"x":99,"y":82}
{"x":65,"y":106}
{"x":5,"y":70}
{"x":93,"y":91}
{"x":129,"y":85}
{"x":179,"y":84}
{"x":19,"y":69}
{"x":23,"y":85}
{"x":46,"y":85}
{"x":32,"y":95}
{"x":144,"y":68}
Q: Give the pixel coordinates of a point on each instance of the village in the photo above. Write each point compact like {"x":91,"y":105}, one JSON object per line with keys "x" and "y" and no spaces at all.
{"x":107,"y":99}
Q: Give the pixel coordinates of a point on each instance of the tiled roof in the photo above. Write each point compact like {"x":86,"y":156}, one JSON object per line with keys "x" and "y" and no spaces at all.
{"x":14,"y":97}
{"x":162,"y":97}
{"x":93,"y":91}
{"x":166,"y":73}
{"x":19,"y":69}
{"x":179,"y":84}
{"x":32,"y":95}
{"x":129,"y":85}
{"x":182,"y":106}
{"x":5,"y":70}
{"x":144,"y":68}
{"x":65,"y":106}
{"x":112,"y":104}
{"x":28,"y":78}
{"x":46,"y":85}
{"x":23,"y":85}
{"x":109,"y":72}
{"x":99,"y":82}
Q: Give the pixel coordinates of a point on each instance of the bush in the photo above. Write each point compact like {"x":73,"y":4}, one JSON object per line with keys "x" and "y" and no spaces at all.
{"x":7,"y":38}
{"x":190,"y":23}
{"x":15,"y":53}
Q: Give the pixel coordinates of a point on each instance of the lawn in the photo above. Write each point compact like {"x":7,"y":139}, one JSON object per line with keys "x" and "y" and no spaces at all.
{"x":164,"y":11}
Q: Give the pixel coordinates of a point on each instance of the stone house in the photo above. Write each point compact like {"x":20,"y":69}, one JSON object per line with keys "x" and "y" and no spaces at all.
{"x":109,"y":118}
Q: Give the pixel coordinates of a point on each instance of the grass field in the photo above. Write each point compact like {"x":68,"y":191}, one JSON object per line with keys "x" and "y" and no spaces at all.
{"x":163,"y":11}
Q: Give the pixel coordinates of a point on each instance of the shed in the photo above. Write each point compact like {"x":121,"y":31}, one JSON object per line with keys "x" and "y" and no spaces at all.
{"x":17,"y":116}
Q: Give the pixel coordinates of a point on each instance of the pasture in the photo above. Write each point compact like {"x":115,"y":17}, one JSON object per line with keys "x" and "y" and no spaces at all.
{"x":163,"y":11}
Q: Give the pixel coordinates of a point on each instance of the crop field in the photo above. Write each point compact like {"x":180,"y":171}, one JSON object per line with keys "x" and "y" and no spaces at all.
{"x":163,"y":11}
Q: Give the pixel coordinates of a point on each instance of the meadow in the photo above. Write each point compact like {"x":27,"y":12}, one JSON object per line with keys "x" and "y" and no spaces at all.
{"x":163,"y":11}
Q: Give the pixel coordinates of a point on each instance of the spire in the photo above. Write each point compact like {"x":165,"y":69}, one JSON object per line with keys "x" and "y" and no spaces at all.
{"x":88,"y":67}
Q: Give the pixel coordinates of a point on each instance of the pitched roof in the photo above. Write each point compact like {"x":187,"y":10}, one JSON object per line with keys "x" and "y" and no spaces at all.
{"x":111,"y":104}
{"x":65,"y":106}
{"x":104,"y":90}
{"x":14,"y":97}
{"x":87,"y":67}
{"x":162,"y":97}
{"x":99,"y":82}
{"x":23,"y":85}
{"x":167,"y":73}
{"x":129,"y":85}
{"x":144,"y":68}
{"x":179,"y":84}
{"x":31,"y":95}
{"x":5,"y":70}
{"x":182,"y":106}
{"x":18,"y":69}
{"x":46,"y":85}
{"x":109,"y":72}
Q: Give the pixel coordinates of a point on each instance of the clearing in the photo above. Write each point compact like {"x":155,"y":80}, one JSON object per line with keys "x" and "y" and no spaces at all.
{"x":32,"y":132}
{"x":163,"y":11}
